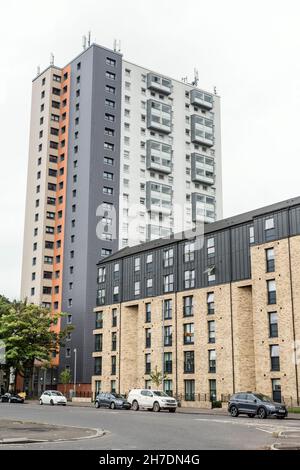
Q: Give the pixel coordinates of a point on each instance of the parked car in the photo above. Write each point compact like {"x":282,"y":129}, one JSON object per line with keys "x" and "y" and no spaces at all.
{"x":255,"y":404}
{"x":155,"y":400}
{"x":11,"y":398}
{"x":112,"y":401}
{"x":52,"y":397}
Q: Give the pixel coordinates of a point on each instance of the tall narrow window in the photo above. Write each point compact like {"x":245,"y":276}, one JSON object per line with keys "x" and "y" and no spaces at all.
{"x":271,"y":285}
{"x":270,"y":260}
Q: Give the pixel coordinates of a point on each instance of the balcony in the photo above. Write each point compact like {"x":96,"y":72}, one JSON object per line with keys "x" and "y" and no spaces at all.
{"x":159,"y":116}
{"x":157,"y":231}
{"x":202,"y":169}
{"x":203,"y":208}
{"x":160,"y":84}
{"x":202,"y":130}
{"x":159,"y":156}
{"x":199,"y":98}
{"x":158,"y":198}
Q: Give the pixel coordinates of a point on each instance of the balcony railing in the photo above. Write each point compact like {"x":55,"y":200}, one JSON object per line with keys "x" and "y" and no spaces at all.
{"x":160,"y":84}
{"x":202,"y":99}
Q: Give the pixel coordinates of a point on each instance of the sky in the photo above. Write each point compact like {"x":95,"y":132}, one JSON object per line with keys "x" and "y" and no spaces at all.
{"x":249,"y":50}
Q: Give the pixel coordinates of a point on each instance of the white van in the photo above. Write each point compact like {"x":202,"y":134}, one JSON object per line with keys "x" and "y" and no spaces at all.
{"x":155,"y":400}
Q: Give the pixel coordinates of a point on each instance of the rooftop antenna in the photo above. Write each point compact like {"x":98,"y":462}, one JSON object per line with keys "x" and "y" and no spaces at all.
{"x":215,"y":90}
{"x":38,"y":70}
{"x":184,"y":79}
{"x":89,"y":38}
{"x":51,"y":58}
{"x":196,"y":78}
{"x":84,"y":42}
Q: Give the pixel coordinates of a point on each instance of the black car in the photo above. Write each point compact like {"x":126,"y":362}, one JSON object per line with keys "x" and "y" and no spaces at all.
{"x":112,"y":401}
{"x":255,"y":404}
{"x":11,"y":398}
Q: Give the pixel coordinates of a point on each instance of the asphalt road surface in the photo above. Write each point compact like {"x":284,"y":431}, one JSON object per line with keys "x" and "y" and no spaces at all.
{"x":147,"y":430}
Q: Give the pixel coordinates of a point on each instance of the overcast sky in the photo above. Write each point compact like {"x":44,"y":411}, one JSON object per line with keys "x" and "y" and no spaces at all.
{"x":249,"y":50}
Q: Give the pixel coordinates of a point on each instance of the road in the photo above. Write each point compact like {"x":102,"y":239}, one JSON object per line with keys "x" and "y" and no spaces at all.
{"x":147,"y":430}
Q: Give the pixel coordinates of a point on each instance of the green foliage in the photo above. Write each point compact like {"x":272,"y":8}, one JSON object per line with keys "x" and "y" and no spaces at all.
{"x":157,"y":377}
{"x":65,"y":377}
{"x":28,"y":334}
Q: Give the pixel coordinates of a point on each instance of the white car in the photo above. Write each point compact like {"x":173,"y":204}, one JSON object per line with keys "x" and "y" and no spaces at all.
{"x":52,"y":397}
{"x":155,"y":400}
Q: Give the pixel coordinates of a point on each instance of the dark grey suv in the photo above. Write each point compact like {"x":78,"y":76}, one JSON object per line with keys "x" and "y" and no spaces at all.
{"x":255,"y":404}
{"x":112,"y":401}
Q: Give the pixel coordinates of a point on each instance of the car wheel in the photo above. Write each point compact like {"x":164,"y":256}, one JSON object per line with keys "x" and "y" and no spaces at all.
{"x":97,"y":404}
{"x":262,"y":414}
{"x":112,"y":405}
{"x":234,"y":411}
{"x":41,"y":402}
{"x":52,"y":402}
{"x":172,"y":410}
{"x":250,"y":415}
{"x":135,"y":405}
{"x":156,"y":407}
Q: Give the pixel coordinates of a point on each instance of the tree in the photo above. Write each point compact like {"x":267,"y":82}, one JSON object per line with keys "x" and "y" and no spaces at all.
{"x":157,"y":377}
{"x":30,"y":334}
{"x":65,"y":378}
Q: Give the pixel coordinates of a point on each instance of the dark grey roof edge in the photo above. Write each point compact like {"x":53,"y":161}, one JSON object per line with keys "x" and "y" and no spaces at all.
{"x":209,"y":228}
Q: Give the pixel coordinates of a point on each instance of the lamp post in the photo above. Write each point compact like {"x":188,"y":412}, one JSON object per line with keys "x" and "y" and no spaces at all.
{"x":75,"y":367}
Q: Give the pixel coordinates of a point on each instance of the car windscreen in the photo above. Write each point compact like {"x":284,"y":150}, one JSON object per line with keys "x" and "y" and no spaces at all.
{"x":117,"y":395}
{"x":262,"y":397}
{"x":59,"y":394}
{"x":160,"y":394}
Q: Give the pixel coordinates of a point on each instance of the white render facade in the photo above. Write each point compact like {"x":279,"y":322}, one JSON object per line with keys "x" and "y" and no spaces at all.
{"x":170,"y":170}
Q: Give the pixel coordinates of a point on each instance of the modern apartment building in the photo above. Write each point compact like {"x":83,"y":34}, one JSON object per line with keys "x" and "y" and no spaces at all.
{"x":217,"y":315}
{"x":118,"y":155}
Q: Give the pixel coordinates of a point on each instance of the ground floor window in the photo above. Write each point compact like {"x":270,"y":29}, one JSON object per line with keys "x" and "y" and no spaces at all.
{"x":212,"y":390}
{"x":276,"y":390}
{"x":168,"y":387}
{"x":97,"y":386}
{"x":189,"y":390}
{"x":113,"y":386}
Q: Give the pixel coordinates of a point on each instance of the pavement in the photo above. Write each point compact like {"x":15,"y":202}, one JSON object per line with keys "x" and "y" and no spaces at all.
{"x":190,"y":429}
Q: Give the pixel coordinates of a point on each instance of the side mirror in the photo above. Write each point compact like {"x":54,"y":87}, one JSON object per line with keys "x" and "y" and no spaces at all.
{"x":255,"y":401}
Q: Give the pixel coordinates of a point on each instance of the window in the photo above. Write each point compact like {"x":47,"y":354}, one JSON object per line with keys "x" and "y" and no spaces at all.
{"x":56,"y":78}
{"x":189,"y":390}
{"x":108,"y":176}
{"x":211,"y":276}
{"x":110,"y":89}
{"x":107,"y":190}
{"x":212,"y":360}
{"x":114,"y":317}
{"x":109,"y":117}
{"x":276,"y":390}
{"x":189,"y":362}
{"x":113,"y":365}
{"x":188,"y":333}
{"x":137,"y":288}
{"x":101,"y":274}
{"x":105,"y":252}
{"x":189,"y":279}
{"x":168,"y":363}
{"x":113,"y":386}
{"x":211,"y":331}
{"x":108,"y":131}
{"x":251,"y":234}
{"x":149,"y":286}
{"x":168,"y":387}
{"x":110,"y":61}
{"x":110,"y":75}
{"x":168,"y":336}
{"x":274,"y":356}
{"x":169,"y":283}
{"x":212,"y":389}
{"x":210,"y":246}
{"x":98,"y":366}
{"x":189,"y":252}
{"x":116,"y":274}
{"x":269,"y":228}
{"x":147,"y":313}
{"x":147,"y":363}
{"x":110,"y":103}
{"x":270,"y":260}
{"x":48,"y":259}
{"x":99,"y":320}
{"x":56,"y":104}
{"x":210,"y":303}
{"x":98,"y":342}
{"x":109,"y":146}
{"x":168,"y":258}
{"x":137,"y":264}
{"x":116,"y":294}
{"x":167,"y":309}
{"x":149,"y":260}
{"x":273,"y":324}
{"x":271,"y":286}
{"x":148,"y":338}
{"x":114,"y":341}
{"x":188,"y":306}
{"x":101,"y":296}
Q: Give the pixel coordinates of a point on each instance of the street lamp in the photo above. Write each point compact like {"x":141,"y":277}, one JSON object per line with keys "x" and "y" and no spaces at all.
{"x":75,"y":367}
